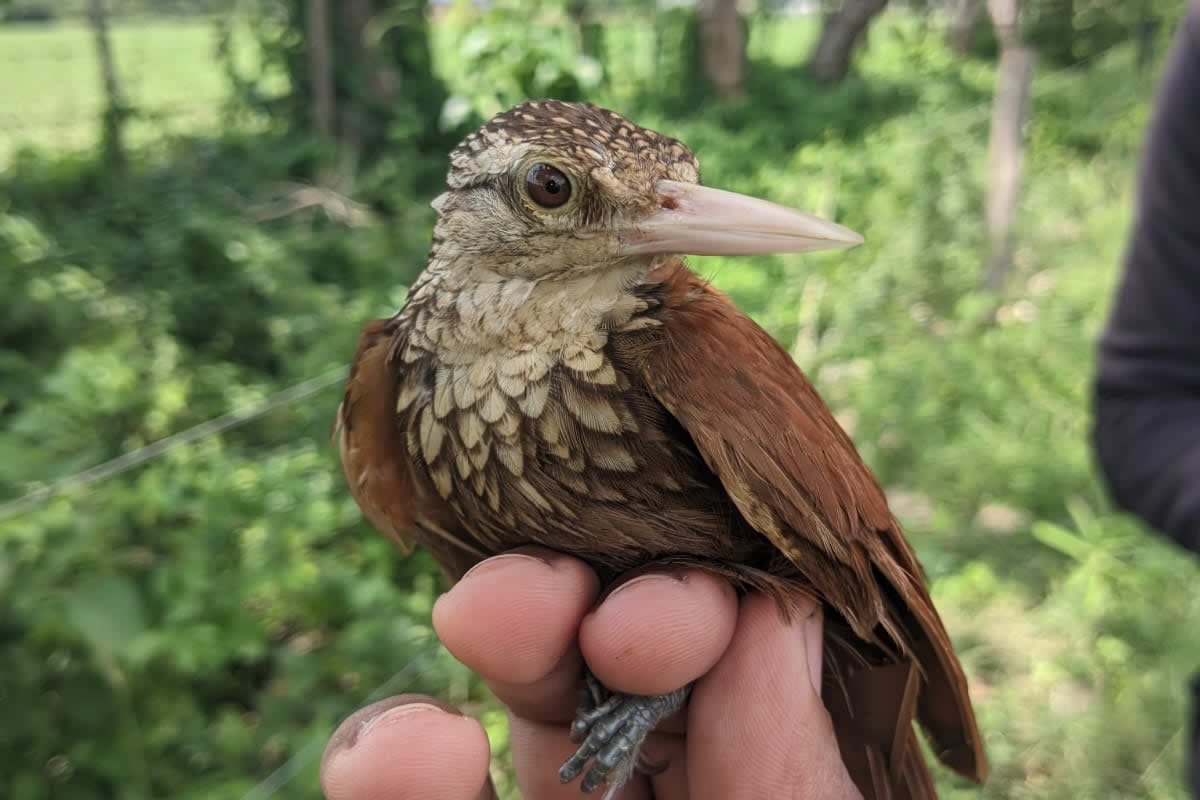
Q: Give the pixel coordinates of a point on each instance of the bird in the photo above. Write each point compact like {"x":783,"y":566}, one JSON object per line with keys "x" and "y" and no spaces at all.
{"x":558,"y":375}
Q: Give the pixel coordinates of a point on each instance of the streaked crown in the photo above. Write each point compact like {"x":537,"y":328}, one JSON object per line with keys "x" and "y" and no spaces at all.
{"x":580,"y":134}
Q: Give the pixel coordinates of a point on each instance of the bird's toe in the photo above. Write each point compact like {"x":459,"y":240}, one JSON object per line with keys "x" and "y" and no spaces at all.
{"x":611,"y":736}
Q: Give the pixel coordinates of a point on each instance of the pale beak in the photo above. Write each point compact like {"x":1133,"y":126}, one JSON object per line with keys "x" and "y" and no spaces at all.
{"x":701,"y":221}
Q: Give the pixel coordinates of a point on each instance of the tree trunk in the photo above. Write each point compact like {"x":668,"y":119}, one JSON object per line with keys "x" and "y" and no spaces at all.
{"x":320,"y":65}
{"x":830,"y":60}
{"x":723,"y":41}
{"x":115,"y":108}
{"x":1014,"y":81}
{"x":383,"y":79}
{"x":380,"y":84}
{"x":962,"y":27}
{"x":1005,"y":16}
{"x":361,"y":66}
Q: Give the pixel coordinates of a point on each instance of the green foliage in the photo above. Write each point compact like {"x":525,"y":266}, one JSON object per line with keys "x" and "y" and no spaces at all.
{"x":1070,"y":32}
{"x":47,"y":10}
{"x":507,"y":53}
{"x":51,"y":89}
{"x":185,"y":628}
{"x":22,"y":11}
{"x":385,"y":93}
{"x":188,"y":607}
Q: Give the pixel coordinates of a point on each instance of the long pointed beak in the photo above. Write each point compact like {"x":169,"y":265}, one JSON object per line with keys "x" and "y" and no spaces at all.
{"x":701,"y":221}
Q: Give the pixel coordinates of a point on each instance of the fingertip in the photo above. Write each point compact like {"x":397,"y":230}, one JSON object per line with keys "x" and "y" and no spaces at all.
{"x":514,"y":616}
{"x":399,"y":749}
{"x":660,"y":631}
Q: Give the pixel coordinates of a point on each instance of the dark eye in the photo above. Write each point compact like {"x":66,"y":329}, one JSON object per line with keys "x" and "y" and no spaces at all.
{"x":547,"y":186}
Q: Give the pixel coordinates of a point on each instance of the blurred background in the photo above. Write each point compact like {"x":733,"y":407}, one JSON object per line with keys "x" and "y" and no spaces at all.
{"x":202,"y":201}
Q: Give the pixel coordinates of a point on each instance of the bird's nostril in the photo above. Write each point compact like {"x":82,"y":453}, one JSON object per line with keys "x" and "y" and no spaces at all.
{"x":669,"y":203}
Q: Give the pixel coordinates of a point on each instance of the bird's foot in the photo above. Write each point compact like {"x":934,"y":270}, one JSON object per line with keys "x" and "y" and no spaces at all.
{"x":611,"y":729}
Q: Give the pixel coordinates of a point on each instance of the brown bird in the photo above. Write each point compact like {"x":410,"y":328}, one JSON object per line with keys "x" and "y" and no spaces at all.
{"x":557,"y":376}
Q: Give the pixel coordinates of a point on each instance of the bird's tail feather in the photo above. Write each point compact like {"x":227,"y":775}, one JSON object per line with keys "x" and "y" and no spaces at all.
{"x":873,"y":709}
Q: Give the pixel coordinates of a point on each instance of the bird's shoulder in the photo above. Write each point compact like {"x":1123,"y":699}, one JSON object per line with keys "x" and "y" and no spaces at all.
{"x":731,"y":384}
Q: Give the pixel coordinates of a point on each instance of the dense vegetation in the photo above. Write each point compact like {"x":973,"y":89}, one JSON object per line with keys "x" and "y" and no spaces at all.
{"x":188,"y":627}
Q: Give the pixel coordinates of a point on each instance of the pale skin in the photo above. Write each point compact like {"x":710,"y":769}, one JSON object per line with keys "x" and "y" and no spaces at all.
{"x":527,"y":621}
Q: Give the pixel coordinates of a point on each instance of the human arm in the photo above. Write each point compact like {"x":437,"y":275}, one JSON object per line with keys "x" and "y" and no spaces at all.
{"x":1147,"y":390}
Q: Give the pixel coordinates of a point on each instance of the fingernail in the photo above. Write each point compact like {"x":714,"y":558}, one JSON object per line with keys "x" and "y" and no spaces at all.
{"x":349,"y":734}
{"x":388,"y":717}
{"x":814,"y":635}
{"x":504,"y":559}
{"x":674,"y":576}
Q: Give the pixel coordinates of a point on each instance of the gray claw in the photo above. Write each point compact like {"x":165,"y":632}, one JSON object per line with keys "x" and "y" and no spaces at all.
{"x":612,"y":732}
{"x":594,"y":688}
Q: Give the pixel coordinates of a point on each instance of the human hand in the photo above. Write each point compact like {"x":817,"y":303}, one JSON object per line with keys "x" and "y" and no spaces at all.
{"x":754,"y":726}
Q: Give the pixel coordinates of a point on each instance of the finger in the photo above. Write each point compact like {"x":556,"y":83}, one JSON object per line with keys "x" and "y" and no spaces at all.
{"x":514,"y":620}
{"x":756,"y":725}
{"x":668,"y":751}
{"x":659,"y":631}
{"x":539,"y":749}
{"x":404,"y":748}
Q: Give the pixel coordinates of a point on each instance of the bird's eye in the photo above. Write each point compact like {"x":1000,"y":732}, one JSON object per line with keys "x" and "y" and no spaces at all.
{"x":547,"y":186}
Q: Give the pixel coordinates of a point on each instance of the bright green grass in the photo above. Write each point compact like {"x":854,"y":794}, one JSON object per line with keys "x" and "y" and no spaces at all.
{"x":51,"y":95}
{"x":50,"y":88}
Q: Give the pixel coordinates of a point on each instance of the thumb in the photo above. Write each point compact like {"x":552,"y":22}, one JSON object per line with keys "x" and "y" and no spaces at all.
{"x":756,"y":725}
{"x":407,"y":747}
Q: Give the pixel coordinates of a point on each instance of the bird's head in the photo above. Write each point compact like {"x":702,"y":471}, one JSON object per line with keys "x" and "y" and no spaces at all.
{"x":550,"y":189}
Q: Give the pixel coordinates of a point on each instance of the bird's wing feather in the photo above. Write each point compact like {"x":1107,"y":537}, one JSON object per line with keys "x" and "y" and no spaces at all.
{"x":394,"y":498}
{"x":797,"y":478}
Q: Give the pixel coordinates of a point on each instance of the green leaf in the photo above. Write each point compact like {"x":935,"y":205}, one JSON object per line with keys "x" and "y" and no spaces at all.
{"x":109,"y":613}
{"x":1061,"y":539}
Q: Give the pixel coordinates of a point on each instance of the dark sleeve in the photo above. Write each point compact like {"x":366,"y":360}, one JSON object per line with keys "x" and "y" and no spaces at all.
{"x":1147,"y":391}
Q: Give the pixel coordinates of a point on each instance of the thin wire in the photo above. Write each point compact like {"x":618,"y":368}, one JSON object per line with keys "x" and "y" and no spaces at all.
{"x":134,"y":458}
{"x":271,"y":784}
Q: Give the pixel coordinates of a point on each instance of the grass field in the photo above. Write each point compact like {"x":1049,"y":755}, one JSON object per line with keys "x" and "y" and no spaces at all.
{"x":1078,"y":628}
{"x":50,"y":88}
{"x":51,"y":96}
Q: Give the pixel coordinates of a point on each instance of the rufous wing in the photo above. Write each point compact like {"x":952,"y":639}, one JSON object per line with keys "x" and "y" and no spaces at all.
{"x":796,"y":477}
{"x":379,"y":476}
{"x":394,"y":499}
